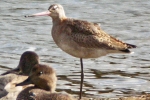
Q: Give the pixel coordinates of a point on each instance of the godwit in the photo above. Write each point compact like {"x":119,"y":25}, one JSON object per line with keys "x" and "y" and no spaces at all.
{"x":44,"y":78}
{"x":80,"y":38}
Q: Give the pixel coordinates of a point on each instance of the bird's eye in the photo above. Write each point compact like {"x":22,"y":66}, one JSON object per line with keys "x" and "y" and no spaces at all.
{"x":40,"y":73}
{"x":55,"y":7}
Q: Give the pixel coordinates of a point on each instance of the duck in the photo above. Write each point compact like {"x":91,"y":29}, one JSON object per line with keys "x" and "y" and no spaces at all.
{"x":9,"y":79}
{"x":27,"y":60}
{"x":44,"y":79}
{"x":80,"y":38}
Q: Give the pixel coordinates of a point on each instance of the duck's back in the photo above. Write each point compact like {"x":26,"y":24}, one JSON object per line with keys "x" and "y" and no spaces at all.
{"x":7,"y":86}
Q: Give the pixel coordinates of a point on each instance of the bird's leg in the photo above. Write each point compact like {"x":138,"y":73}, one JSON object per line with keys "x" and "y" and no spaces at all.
{"x":82,"y":77}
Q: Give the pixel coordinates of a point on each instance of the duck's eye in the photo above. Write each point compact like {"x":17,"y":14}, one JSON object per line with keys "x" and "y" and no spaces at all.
{"x":40,"y":73}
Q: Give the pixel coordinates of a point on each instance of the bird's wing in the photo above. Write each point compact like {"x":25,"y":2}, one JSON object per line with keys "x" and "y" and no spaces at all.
{"x":91,"y":36}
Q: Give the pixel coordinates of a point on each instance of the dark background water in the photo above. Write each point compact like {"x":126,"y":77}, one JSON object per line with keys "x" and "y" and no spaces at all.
{"x":109,"y":76}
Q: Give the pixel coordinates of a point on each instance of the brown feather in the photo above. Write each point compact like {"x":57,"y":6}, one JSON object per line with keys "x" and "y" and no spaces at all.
{"x":91,"y":36}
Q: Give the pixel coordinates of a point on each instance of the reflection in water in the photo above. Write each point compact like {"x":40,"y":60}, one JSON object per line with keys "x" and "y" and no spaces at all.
{"x":109,"y":76}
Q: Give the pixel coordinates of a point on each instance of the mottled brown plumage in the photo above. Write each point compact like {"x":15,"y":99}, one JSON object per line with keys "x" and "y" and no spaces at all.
{"x":80,"y":38}
{"x":90,"y":35}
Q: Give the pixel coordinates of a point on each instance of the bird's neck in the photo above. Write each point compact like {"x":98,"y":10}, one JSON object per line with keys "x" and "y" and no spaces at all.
{"x":58,"y":20}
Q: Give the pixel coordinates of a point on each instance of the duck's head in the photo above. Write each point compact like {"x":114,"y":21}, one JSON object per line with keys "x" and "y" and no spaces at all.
{"x":27,"y":60}
{"x":43,"y":77}
{"x":54,"y":11}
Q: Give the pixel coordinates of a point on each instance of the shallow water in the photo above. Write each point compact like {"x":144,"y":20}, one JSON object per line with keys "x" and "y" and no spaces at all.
{"x":109,"y":76}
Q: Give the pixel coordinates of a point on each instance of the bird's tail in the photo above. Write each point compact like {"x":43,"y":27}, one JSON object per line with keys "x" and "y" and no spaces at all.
{"x":130,"y":46}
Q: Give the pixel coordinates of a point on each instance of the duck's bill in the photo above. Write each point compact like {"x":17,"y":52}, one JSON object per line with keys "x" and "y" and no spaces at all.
{"x":45,"y":13}
{"x":26,"y":82}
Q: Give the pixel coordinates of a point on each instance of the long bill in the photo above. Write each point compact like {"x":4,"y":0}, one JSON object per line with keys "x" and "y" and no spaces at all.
{"x":45,"y":13}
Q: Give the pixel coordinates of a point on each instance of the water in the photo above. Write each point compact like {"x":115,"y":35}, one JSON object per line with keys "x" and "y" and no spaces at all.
{"x":109,"y":76}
